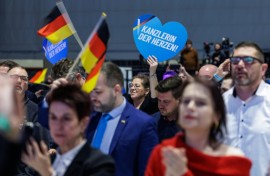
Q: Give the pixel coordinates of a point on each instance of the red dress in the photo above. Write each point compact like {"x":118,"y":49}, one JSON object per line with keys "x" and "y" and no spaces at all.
{"x":199,"y":164}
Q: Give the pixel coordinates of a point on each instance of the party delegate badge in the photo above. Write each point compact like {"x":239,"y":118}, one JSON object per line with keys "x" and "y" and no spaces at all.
{"x":153,"y":38}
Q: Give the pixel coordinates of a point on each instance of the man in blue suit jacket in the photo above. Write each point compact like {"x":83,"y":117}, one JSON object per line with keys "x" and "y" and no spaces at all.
{"x":130,"y":134}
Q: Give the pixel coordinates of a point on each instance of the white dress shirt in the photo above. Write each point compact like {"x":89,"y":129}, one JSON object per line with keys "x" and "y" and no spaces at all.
{"x":62,"y":162}
{"x":248,"y":124}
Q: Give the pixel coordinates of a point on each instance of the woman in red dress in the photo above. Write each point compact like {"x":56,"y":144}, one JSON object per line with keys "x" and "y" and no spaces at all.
{"x":199,"y":150}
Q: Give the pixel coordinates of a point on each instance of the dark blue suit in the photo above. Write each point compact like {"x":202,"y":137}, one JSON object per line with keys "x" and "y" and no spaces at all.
{"x":133,"y":140}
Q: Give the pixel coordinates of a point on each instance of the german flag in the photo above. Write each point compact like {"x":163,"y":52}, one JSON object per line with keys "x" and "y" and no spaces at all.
{"x":92,"y":78}
{"x":94,"y":51}
{"x":56,"y":27}
{"x":39,"y":77}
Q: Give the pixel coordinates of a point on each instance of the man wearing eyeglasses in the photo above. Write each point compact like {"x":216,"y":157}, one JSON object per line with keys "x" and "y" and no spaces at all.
{"x":19,"y":77}
{"x":248,"y":106}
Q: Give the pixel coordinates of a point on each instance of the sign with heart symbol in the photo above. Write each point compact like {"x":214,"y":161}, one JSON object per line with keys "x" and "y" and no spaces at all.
{"x":154,"y":39}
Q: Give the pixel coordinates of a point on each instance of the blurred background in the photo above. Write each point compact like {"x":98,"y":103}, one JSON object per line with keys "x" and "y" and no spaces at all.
{"x":207,"y":22}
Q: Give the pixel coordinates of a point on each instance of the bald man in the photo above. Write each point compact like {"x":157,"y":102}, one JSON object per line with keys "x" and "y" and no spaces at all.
{"x":207,"y":71}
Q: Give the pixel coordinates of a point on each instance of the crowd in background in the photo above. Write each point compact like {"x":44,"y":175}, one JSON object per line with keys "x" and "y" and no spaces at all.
{"x":208,"y":120}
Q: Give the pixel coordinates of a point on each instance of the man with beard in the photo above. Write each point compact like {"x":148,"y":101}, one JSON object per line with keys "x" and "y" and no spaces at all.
{"x":118,"y":128}
{"x":19,"y":77}
{"x":168,"y":95}
{"x":248,"y":105}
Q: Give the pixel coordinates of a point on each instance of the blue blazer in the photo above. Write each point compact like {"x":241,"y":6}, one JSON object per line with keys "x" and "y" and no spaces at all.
{"x":134,"y":138}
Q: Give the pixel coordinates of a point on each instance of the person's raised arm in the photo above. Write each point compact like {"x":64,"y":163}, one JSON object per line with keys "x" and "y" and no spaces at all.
{"x":11,"y":118}
{"x":222,"y":71}
{"x":183,"y":74}
{"x":153,"y":64}
{"x":11,"y":110}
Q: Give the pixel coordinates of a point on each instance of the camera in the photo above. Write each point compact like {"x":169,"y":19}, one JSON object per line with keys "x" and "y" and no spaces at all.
{"x":175,"y":67}
{"x":31,"y":130}
{"x":226,"y":42}
{"x":226,"y":46}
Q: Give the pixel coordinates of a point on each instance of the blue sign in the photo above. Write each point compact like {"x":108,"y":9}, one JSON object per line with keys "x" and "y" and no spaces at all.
{"x":55,"y":52}
{"x":153,"y":38}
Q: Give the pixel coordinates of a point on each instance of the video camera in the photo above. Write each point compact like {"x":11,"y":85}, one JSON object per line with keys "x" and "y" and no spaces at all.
{"x":226,"y":45}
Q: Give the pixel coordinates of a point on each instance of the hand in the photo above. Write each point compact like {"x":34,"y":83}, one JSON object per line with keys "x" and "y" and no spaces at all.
{"x":38,"y":158}
{"x":52,"y":151}
{"x":216,"y":59}
{"x":58,"y":82}
{"x":168,"y":68}
{"x":175,"y":161}
{"x":224,"y":68}
{"x":11,"y":108}
{"x":153,"y":64}
{"x":183,"y":74}
{"x":39,"y":93}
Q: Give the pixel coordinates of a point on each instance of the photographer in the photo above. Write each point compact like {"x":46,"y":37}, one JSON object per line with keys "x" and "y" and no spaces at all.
{"x":189,"y":58}
{"x":218,"y":56}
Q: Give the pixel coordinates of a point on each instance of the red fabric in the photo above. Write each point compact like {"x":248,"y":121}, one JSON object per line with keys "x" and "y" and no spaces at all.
{"x":199,"y":164}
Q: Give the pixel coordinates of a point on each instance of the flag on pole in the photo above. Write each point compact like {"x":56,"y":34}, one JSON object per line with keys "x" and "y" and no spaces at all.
{"x":57,"y":25}
{"x":93,"y":53}
{"x":96,"y":45}
{"x":39,"y":77}
{"x":92,"y":78}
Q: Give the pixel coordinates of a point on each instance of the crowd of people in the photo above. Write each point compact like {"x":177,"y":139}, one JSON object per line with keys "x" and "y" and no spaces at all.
{"x":208,"y":121}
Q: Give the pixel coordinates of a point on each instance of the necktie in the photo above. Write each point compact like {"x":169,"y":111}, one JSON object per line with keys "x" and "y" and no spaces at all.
{"x":100,"y":130}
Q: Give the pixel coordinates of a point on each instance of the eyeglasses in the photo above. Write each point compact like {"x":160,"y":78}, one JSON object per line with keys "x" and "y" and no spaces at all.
{"x":130,"y":85}
{"x":23,"y":78}
{"x":246,"y":59}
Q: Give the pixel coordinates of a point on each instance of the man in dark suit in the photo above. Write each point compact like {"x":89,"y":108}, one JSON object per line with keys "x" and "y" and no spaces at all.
{"x":19,"y":77}
{"x":130,"y":134}
{"x":168,"y":95}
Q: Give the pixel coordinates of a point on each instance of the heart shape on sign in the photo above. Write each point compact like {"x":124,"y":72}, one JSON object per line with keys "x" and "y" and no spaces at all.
{"x":151,"y":38}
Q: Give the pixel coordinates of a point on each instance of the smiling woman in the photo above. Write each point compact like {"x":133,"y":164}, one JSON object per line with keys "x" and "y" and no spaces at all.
{"x":139,"y":94}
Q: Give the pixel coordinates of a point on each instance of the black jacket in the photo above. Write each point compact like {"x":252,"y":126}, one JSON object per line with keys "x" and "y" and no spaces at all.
{"x":90,"y":161}
{"x":31,"y":110}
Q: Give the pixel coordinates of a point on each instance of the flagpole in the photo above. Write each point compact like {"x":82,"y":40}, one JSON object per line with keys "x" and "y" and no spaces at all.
{"x":78,"y":39}
{"x":103,"y":16}
{"x":63,"y":10}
